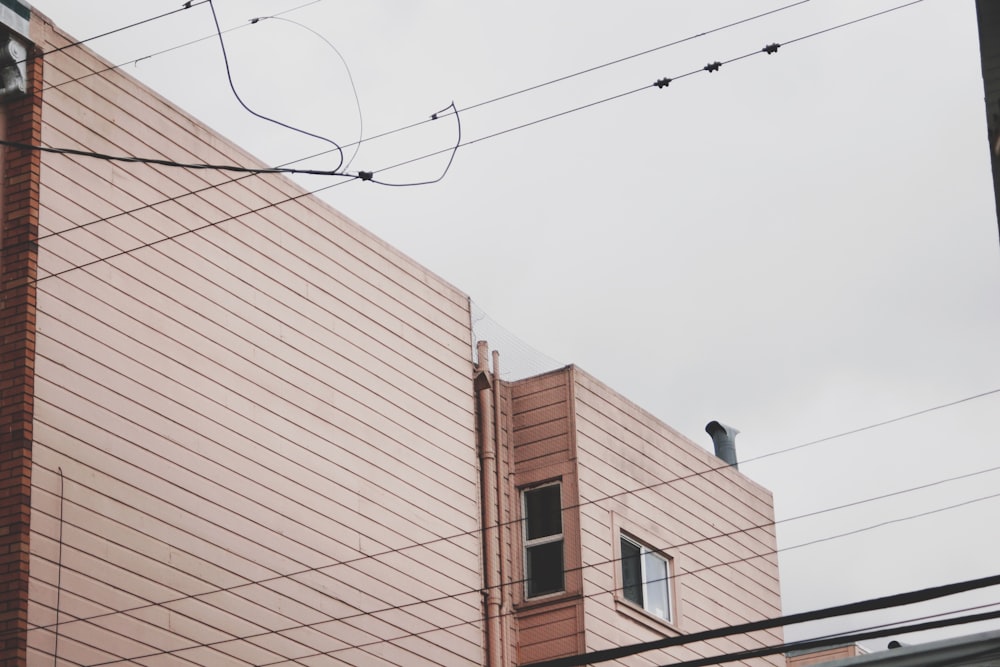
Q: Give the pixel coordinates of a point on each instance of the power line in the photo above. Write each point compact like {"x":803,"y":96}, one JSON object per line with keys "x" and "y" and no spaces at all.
{"x":873,"y":604}
{"x":494,"y":99}
{"x":171,"y":163}
{"x":232,"y":87}
{"x":369,"y":175}
{"x":442,"y":598}
{"x":172,"y":48}
{"x":187,"y":5}
{"x":350,"y":78}
{"x":659,"y":83}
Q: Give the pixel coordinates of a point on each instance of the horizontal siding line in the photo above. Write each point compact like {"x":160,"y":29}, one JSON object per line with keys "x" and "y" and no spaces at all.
{"x":539,"y":419}
{"x":693,"y":530}
{"x":262,"y":632}
{"x":612,"y":636}
{"x":708,"y":560}
{"x":455,"y":561}
{"x":293,"y":428}
{"x":218,"y":614}
{"x":184,"y":319}
{"x":658,"y":471}
{"x":134,"y":446}
{"x":454,"y":343}
{"x":681,"y":444}
{"x":101,"y":143}
{"x":181,"y":596}
{"x":773,"y":636}
{"x":738,"y":562}
{"x":142,"y":109}
{"x":461,"y":348}
{"x":599,"y":563}
{"x":208,"y":531}
{"x":604,"y":434}
{"x":461,"y":449}
{"x":734,"y":542}
{"x":602,"y":635}
{"x":612,"y":491}
{"x":540,"y":400}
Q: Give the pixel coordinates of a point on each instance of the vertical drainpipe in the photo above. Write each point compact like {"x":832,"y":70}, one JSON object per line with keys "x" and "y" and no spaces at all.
{"x":488,"y":461}
{"x":502,"y":523}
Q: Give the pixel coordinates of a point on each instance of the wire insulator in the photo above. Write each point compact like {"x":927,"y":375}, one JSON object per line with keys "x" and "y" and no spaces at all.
{"x":366,"y":175}
{"x":713,"y":67}
{"x":663,"y":83}
{"x":771,"y":48}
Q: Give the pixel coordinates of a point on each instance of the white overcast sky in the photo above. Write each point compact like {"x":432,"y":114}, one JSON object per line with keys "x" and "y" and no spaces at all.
{"x":799,"y":245}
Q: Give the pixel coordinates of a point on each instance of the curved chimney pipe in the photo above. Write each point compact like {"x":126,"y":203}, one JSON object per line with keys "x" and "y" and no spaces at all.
{"x":724,"y":439}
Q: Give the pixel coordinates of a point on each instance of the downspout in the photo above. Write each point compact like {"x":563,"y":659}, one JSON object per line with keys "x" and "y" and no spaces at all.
{"x":488,"y":468}
{"x":502,"y":522}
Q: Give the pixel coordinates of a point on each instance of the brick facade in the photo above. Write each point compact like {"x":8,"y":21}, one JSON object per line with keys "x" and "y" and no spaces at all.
{"x":18,"y":272}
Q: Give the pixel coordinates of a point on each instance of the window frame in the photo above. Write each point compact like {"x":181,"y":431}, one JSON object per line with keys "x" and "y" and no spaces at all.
{"x":646,"y":534}
{"x":528,"y":544}
{"x":645,"y":554}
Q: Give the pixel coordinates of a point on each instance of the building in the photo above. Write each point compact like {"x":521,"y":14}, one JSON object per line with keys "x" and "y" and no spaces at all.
{"x":238,"y":429}
{"x":978,"y":650}
{"x":805,"y":657}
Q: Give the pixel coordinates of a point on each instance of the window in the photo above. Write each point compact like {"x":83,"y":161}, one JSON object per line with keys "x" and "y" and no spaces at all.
{"x":543,"y":540}
{"x":645,"y":578}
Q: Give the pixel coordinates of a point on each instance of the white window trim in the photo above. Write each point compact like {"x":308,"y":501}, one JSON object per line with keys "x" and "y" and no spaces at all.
{"x":644,"y":553}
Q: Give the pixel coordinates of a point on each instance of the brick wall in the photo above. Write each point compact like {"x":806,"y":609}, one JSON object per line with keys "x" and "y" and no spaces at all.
{"x":18,"y":271}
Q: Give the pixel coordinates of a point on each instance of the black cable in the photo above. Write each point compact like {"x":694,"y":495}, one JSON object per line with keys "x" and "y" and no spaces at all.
{"x":168,"y":50}
{"x":594,"y":68}
{"x":370,"y":176}
{"x":659,"y":84}
{"x":232,"y":87}
{"x":196,"y":619}
{"x":442,"y":598}
{"x":824,"y":642}
{"x":192,"y":230}
{"x":873,"y":604}
{"x":187,"y":5}
{"x":171,"y":163}
{"x":350,"y":78}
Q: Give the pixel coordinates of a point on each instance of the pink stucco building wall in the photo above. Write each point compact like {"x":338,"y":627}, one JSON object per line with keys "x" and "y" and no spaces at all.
{"x":240,"y":433}
{"x":244,"y":431}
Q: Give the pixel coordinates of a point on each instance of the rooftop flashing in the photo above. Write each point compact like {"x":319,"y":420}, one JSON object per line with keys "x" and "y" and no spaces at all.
{"x":978,"y":650}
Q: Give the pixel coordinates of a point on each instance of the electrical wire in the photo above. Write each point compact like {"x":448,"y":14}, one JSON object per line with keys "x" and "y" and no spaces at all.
{"x":350,"y":78}
{"x":232,"y":87}
{"x":824,"y":642}
{"x":875,"y":604}
{"x":170,"y":163}
{"x":136,"y":61}
{"x":187,"y":5}
{"x":499,"y":97}
{"x":803,"y":445}
{"x":453,"y":150}
{"x":872,"y":604}
{"x":370,"y":176}
{"x":673,"y":547}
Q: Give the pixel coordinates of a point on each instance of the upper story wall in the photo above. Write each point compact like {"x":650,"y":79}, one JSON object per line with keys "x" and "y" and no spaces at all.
{"x":641,"y":479}
{"x":240,"y":433}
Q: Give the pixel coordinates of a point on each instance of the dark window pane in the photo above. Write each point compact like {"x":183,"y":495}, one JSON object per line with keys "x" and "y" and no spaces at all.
{"x":631,"y":572}
{"x":545,"y":569}
{"x":544,"y":512}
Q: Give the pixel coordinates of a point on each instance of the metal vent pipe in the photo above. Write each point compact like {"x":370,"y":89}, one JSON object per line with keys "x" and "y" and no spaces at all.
{"x":724,"y":439}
